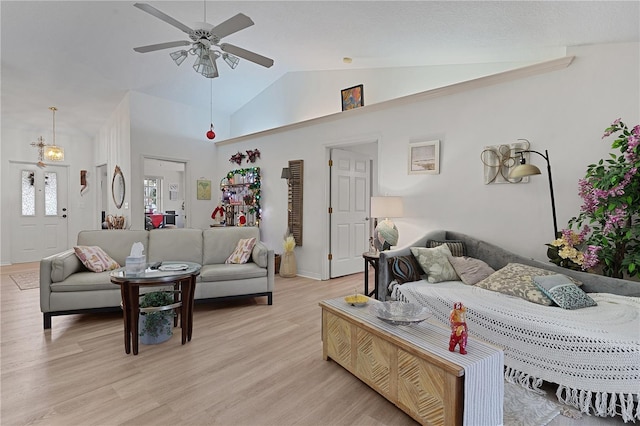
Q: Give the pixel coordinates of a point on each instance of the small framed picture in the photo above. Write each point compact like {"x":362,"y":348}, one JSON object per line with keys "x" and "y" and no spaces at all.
{"x":424,"y":158}
{"x":352,"y":97}
{"x":203,"y":189}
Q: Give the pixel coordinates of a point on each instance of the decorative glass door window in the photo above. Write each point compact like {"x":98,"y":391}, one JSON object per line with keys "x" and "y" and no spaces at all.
{"x":50,"y":194}
{"x":28,"y":193}
{"x":29,"y":182}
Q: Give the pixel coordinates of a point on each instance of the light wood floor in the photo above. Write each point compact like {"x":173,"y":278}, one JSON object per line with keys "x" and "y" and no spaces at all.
{"x":248,"y":364}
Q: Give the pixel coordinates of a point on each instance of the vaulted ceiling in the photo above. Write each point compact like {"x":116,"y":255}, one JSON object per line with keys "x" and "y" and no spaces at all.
{"x":78,"y":55}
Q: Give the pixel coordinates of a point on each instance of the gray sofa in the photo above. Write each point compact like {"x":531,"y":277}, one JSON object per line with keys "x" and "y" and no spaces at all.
{"x":497,"y":258}
{"x":67,"y":287}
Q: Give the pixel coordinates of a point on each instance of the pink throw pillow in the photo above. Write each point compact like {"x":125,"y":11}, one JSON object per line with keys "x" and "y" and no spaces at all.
{"x":95,"y":259}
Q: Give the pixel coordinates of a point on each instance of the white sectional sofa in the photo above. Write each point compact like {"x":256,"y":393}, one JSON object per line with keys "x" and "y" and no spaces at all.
{"x":67,"y":287}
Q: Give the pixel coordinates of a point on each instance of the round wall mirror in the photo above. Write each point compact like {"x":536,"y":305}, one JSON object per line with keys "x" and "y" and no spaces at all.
{"x":117,"y":187}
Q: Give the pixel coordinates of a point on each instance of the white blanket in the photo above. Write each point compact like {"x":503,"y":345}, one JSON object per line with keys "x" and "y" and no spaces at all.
{"x":592,"y":353}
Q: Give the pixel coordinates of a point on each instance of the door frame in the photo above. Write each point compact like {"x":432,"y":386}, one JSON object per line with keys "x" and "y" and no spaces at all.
{"x":187,"y":179}
{"x":325,"y":273}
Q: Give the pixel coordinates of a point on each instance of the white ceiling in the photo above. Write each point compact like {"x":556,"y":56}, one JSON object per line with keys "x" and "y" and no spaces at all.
{"x":78,"y":55}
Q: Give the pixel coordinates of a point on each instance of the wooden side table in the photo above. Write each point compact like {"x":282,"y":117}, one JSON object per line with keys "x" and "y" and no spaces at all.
{"x":372,"y":259}
{"x":130,"y":289}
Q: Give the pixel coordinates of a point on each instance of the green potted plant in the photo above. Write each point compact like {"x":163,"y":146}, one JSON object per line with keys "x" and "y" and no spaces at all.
{"x":156,"y":326}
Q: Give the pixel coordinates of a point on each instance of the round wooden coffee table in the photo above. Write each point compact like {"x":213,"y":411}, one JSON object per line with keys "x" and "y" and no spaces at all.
{"x":183,"y":277}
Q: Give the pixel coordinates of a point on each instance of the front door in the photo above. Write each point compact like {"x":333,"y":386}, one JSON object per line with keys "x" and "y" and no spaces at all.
{"x":350,"y":195}
{"x":39,"y":211}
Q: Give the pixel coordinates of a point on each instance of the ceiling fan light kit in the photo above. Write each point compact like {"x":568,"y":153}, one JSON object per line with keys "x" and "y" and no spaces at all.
{"x":205,"y":43}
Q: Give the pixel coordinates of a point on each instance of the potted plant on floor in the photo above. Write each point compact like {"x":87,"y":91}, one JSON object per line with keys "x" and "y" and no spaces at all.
{"x":156,"y":326}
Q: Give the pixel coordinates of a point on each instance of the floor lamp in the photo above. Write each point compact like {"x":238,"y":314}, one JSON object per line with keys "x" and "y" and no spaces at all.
{"x":524,"y":169}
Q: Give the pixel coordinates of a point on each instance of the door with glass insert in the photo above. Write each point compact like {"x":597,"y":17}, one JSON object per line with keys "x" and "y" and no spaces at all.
{"x":40,"y":212}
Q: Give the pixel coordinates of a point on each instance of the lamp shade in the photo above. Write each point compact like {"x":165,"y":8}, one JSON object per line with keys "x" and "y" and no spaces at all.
{"x":54,"y":153}
{"x":524,"y":170}
{"x":386,"y":207}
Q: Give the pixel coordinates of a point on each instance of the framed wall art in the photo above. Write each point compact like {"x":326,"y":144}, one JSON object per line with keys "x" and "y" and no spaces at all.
{"x":203,"y":189}
{"x":352,"y":97}
{"x":424,"y":158}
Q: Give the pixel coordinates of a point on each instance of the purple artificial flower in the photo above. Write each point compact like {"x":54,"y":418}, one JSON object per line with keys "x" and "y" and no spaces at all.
{"x":590,"y":257}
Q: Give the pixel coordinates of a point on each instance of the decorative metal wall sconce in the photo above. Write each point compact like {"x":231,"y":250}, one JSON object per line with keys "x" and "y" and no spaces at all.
{"x":499,"y":160}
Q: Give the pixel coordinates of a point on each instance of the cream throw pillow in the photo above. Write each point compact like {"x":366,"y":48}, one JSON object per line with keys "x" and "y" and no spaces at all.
{"x":470,"y":270}
{"x":243,"y":250}
{"x":95,"y":259}
{"x":435,"y":263}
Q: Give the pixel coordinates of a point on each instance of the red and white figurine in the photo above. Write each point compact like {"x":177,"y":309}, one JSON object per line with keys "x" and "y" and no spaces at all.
{"x":458,"y":328}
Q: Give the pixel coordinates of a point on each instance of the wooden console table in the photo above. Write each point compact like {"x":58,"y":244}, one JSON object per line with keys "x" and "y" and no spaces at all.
{"x":412,"y":367}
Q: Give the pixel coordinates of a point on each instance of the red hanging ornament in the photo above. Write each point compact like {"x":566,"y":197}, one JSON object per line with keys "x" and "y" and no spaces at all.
{"x":211,"y":134}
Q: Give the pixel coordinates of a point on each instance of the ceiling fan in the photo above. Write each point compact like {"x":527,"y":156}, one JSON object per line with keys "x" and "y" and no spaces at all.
{"x":205,"y":43}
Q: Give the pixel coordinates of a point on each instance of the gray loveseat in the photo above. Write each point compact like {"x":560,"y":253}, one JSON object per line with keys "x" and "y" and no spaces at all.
{"x":67,"y":287}
{"x":497,"y":258}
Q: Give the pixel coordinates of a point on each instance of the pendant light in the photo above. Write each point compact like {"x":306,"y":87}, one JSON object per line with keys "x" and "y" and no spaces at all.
{"x":211,"y":134}
{"x":54,"y":152}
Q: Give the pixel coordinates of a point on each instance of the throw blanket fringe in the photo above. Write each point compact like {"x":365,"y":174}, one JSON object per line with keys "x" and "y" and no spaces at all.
{"x":602,"y":404}
{"x":523,"y":379}
{"x":592,"y":354}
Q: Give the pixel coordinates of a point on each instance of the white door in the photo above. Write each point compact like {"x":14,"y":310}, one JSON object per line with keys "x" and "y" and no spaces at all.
{"x":39,"y":211}
{"x":350,"y":194}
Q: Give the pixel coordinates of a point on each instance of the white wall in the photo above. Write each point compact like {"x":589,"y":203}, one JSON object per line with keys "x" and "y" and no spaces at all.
{"x":564,"y":111}
{"x":16,"y":138}
{"x":166,"y":130}
{"x":300,"y":96}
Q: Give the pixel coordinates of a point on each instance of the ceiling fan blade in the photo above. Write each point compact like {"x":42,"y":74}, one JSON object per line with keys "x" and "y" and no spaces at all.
{"x":160,"y":46}
{"x":246,"y":54}
{"x":163,"y":16}
{"x":231,"y":25}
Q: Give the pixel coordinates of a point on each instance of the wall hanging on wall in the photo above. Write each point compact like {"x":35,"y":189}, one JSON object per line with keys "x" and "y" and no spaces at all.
{"x":252,"y":155}
{"x":237,"y":158}
{"x":424,"y":158}
{"x":499,"y":160}
{"x":203,"y":189}
{"x":295,"y":185}
{"x":83,"y":181}
{"x":352,"y":97}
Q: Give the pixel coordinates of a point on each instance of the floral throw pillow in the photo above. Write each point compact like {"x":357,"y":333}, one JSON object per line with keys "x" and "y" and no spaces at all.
{"x":95,"y":259}
{"x":516,"y":279}
{"x":243,"y":250}
{"x":563,"y":291}
{"x":435,"y":263}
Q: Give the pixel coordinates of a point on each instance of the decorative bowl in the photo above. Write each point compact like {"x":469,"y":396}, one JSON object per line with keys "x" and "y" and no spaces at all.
{"x":357,"y":300}
{"x":400,"y":313}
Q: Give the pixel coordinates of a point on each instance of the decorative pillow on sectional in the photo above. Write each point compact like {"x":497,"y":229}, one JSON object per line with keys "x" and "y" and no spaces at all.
{"x":563,"y":291}
{"x":435,"y":263}
{"x":470,"y":270}
{"x":95,"y":259}
{"x":404,"y":269}
{"x":516,"y":279}
{"x":457,"y":247}
{"x":243,"y":250}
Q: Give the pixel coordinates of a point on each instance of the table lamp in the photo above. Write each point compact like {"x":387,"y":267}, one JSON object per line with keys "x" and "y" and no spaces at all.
{"x":385,"y":234}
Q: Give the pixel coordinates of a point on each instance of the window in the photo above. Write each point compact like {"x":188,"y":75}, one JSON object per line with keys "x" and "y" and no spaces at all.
{"x":152,"y":194}
{"x":28,"y":193}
